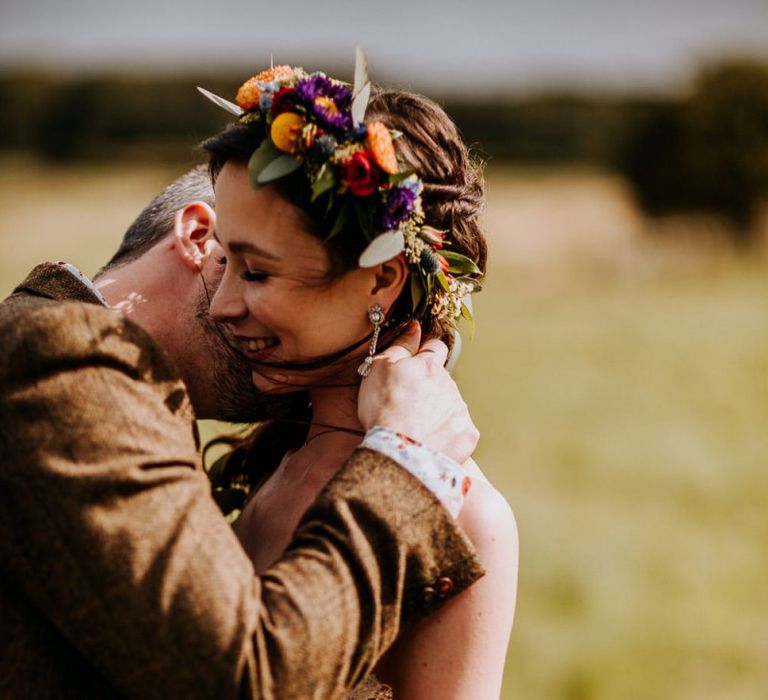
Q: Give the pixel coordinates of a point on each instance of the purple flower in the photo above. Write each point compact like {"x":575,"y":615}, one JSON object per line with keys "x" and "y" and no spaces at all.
{"x":328,"y":100}
{"x":397,"y":207}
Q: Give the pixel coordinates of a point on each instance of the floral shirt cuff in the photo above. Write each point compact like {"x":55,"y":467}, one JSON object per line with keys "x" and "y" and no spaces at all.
{"x":440,"y":474}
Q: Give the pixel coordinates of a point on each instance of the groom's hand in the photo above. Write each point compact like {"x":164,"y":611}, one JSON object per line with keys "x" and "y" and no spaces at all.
{"x":410,"y":392}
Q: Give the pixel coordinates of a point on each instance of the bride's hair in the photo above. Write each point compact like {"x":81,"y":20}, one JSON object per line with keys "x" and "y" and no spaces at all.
{"x":430,"y":144}
{"x":452,"y":198}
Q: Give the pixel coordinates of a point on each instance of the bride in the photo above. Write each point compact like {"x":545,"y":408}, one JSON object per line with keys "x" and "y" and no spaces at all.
{"x":344,"y":217}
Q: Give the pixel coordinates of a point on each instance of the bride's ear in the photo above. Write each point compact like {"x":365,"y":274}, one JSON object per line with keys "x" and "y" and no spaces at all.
{"x":193,"y":237}
{"x":389,"y":279}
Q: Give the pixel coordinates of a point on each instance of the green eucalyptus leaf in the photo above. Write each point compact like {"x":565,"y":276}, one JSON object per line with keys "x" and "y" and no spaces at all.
{"x":361,"y":71}
{"x":397,"y":178}
{"x":443,"y":280}
{"x":341,"y":219}
{"x":360,"y":103}
{"x":324,"y":181}
{"x":260,"y":159}
{"x":331,"y":200}
{"x":221,"y":102}
{"x":466,"y":314}
{"x":459,"y":263}
{"x":280,"y":167}
{"x":364,"y":212}
{"x":382,"y":248}
{"x":417,"y":292}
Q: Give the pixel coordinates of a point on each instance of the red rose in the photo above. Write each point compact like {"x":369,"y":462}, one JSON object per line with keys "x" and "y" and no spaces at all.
{"x":283,"y":100}
{"x":360,"y":174}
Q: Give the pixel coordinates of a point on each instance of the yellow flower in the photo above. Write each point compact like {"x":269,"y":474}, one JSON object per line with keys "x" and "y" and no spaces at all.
{"x":327,"y":104}
{"x":286,"y":130}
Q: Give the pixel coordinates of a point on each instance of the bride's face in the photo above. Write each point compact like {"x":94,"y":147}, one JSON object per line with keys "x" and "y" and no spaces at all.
{"x":275,"y":296}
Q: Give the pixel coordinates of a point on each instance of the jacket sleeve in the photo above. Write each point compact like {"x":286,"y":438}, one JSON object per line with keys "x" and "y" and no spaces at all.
{"x":108,"y":527}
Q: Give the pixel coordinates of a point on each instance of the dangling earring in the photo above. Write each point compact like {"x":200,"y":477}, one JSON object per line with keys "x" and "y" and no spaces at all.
{"x":376,"y":317}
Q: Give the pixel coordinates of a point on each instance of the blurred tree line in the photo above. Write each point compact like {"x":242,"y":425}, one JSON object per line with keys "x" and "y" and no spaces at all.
{"x":108,"y":118}
{"x":704,"y":151}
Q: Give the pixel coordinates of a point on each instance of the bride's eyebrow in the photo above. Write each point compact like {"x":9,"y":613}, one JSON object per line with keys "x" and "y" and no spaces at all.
{"x":247,"y":247}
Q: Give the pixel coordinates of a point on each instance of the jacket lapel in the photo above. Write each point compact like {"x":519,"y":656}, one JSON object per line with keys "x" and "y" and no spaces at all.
{"x":55,"y":282}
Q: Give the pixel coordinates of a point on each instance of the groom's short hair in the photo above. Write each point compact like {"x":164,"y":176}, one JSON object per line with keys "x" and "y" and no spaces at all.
{"x":155,"y":221}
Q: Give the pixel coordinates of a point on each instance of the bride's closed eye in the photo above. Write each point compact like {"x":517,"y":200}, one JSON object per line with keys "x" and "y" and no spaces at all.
{"x":254,"y":275}
{"x":247,"y":275}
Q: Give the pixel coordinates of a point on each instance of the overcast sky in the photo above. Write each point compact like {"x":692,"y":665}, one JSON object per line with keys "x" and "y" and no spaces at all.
{"x":472,"y":45}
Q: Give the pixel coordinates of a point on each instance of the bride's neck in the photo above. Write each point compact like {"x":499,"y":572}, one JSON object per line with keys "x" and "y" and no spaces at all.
{"x":334,"y":433}
{"x":335,"y":407}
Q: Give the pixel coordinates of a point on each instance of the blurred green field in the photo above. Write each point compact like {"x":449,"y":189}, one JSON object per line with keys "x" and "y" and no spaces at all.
{"x":626,"y":423}
{"x":621,"y":389}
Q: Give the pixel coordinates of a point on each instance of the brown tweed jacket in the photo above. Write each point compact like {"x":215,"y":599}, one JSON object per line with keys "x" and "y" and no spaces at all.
{"x":118,"y":575}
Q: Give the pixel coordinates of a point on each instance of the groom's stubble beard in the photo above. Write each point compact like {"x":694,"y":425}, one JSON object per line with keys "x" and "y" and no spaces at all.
{"x":237,"y":399}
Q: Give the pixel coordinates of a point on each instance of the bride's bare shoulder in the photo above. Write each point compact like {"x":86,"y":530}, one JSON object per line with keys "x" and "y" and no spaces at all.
{"x":487,"y":517}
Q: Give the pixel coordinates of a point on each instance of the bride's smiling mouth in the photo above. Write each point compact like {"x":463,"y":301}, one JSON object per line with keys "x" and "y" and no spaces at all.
{"x":257,"y":348}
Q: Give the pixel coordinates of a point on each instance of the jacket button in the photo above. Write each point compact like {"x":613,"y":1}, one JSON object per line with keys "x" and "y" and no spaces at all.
{"x":427,"y":594}
{"x":444,"y":586}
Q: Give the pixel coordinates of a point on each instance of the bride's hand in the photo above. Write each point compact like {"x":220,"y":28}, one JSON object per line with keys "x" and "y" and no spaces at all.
{"x":410,"y":392}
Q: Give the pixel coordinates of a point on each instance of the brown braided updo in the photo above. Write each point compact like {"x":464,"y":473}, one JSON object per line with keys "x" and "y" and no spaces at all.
{"x":454,"y":189}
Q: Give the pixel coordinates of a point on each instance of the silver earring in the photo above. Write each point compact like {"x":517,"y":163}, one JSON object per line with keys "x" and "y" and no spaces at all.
{"x":376,"y":317}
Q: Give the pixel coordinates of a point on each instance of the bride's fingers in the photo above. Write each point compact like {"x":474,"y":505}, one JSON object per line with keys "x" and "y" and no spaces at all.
{"x":437,"y":347}
{"x":405,"y":345}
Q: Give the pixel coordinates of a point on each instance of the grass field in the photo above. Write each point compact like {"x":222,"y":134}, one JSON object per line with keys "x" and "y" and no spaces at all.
{"x":621,"y":389}
{"x":626,"y":423}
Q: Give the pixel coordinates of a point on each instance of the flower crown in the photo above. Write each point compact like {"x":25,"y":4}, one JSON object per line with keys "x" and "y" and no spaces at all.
{"x":317,"y":123}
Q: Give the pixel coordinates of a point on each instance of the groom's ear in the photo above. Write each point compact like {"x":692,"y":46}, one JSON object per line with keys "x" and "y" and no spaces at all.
{"x":389,"y":278}
{"x":193,"y":229}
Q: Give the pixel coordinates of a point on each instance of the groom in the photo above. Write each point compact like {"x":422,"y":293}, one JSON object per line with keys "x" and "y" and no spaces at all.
{"x":118,"y":576}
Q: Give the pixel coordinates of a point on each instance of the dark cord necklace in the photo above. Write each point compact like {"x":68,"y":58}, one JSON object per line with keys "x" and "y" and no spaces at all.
{"x":331,"y":429}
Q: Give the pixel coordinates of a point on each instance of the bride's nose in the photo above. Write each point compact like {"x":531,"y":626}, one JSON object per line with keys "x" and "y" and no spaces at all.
{"x":227,"y":303}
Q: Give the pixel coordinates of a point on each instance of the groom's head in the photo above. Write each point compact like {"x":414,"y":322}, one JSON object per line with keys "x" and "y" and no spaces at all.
{"x":156,"y":221}
{"x":162,"y":276}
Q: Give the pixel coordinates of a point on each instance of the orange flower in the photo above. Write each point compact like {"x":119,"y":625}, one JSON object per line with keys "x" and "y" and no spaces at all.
{"x":275,"y":73}
{"x":249,"y":92}
{"x":380,"y":144}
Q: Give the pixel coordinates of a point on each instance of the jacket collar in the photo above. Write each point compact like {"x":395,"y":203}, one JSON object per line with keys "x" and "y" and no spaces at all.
{"x":56,"y":282}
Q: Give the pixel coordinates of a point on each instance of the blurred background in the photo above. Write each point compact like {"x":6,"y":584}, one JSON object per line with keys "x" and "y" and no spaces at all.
{"x":619,"y":372}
